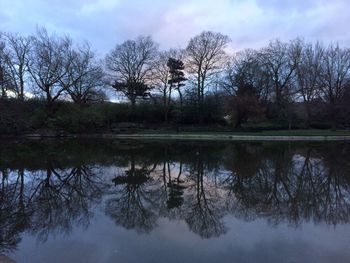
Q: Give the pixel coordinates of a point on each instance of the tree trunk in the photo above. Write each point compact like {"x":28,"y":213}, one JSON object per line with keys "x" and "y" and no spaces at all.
{"x":333,"y":116}
{"x":180,"y":95}
{"x":3,"y":93}
{"x":132,"y":101}
{"x":166,"y":115}
{"x":165,"y":106}
{"x":308,"y":115}
{"x":21,"y":84}
{"x":198,"y":90}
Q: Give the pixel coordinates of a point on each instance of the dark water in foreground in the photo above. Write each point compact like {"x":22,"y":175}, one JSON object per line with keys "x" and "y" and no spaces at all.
{"x":132,"y":201}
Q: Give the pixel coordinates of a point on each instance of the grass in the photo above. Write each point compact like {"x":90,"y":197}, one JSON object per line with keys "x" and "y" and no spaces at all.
{"x":271,"y":135}
{"x":308,"y":132}
{"x":311,"y":132}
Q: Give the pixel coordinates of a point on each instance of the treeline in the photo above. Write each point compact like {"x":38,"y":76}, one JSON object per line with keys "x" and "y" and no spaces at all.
{"x":291,"y":84}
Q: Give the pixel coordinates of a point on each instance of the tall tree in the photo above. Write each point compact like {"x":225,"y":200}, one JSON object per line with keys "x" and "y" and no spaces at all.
{"x":308,"y":72}
{"x":83,"y":80}
{"x":48,"y":63}
{"x":130,"y":65}
{"x":177,"y":75}
{"x":278,"y":60}
{"x":17,"y":52}
{"x":242,"y":70}
{"x":4,"y":72}
{"x":161,"y":76}
{"x":205,"y":56}
{"x":335,"y":78}
{"x":168,"y":76}
{"x":245,"y":85}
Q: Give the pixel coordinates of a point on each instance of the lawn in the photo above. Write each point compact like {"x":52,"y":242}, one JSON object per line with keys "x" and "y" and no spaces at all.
{"x":306,"y":132}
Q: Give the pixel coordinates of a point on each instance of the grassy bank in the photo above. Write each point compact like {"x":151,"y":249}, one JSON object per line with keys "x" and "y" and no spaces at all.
{"x":301,"y":132}
{"x":283,"y":135}
{"x":64,"y":119}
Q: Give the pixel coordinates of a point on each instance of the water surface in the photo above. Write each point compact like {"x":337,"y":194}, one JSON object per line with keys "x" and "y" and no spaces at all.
{"x":148,"y":201}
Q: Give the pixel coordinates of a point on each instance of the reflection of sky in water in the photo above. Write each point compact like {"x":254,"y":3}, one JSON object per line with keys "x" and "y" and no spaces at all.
{"x":233,"y":203}
{"x":173,"y":242}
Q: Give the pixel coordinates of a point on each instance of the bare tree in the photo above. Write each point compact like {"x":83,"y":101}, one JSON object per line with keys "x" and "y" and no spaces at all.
{"x":83,"y":80}
{"x":48,"y":63}
{"x":7,"y":85}
{"x":17,"y":52}
{"x":205,"y":56}
{"x":130,"y":65}
{"x":308,"y":72}
{"x":168,"y":76}
{"x":244,"y":69}
{"x":246,"y":85}
{"x":335,"y":78}
{"x":161,"y":78}
{"x":4,"y":76}
{"x":277,"y":61}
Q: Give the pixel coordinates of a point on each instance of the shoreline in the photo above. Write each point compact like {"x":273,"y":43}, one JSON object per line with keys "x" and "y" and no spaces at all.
{"x":184,"y":136}
{"x":220,"y":137}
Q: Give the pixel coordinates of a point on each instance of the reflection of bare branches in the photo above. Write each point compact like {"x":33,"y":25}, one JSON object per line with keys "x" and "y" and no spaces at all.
{"x":64,"y":197}
{"x":131,"y":206}
{"x":174,"y":187}
{"x":280,"y":185}
{"x":205,"y":214}
{"x":14,"y":217}
{"x":176,"y":191}
{"x":277,"y":182}
{"x":128,"y":211}
{"x":49,"y":202}
{"x":294,"y":188}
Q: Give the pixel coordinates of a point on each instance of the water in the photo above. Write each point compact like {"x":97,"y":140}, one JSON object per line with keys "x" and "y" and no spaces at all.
{"x":148,"y":201}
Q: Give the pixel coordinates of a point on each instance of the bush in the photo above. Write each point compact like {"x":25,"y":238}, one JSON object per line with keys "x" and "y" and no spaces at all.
{"x":18,"y":117}
{"x":31,"y":116}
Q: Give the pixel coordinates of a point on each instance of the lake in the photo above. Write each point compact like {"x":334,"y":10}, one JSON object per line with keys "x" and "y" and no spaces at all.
{"x":174,"y":201}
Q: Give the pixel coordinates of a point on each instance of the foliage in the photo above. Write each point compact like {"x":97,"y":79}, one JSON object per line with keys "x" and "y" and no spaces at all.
{"x":292,"y":84}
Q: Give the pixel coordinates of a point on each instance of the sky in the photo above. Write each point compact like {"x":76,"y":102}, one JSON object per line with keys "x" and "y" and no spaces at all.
{"x":249,"y":23}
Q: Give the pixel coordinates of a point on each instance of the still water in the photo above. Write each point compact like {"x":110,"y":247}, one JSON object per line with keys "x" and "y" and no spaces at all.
{"x":149,"y":201}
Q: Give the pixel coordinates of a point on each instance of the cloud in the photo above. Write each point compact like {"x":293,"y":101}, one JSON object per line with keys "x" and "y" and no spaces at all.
{"x":249,"y":23}
{"x":94,"y":7}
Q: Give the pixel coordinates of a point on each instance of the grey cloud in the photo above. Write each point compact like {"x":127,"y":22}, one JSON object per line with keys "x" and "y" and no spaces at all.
{"x":249,"y":23}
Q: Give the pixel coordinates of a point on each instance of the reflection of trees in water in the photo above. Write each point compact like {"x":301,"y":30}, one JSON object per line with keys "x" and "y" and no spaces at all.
{"x":46,"y":202}
{"x":174,"y":186}
{"x":292,"y":187}
{"x":281,"y":184}
{"x":132,"y":205}
{"x":64,"y":197}
{"x":204,"y":211}
{"x":197,"y":184}
{"x":144,"y":193}
{"x":201,"y":203}
{"x":14,"y":216}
